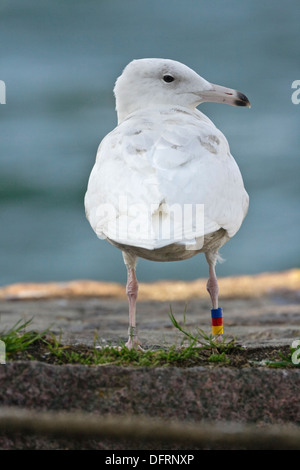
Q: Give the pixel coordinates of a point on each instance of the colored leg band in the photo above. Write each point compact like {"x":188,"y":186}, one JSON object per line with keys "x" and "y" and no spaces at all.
{"x":217,"y":321}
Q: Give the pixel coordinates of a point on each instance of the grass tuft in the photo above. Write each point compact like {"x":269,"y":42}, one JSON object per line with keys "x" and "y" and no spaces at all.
{"x":202,"y":340}
{"x":17,"y":339}
{"x":286,"y":360}
{"x":200,"y":349}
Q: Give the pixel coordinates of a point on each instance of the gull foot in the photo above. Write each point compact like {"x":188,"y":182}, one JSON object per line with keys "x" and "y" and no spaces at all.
{"x":133,"y":343}
{"x":218,"y":338}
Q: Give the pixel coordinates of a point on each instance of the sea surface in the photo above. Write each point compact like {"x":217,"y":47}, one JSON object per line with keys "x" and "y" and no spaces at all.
{"x":59,"y":60}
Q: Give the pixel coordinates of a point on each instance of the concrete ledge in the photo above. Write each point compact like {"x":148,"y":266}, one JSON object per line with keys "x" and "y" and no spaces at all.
{"x":262,"y":396}
{"x":245,"y":395}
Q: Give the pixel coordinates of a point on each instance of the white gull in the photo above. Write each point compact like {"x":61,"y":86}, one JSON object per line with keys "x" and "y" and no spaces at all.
{"x":165,"y":186}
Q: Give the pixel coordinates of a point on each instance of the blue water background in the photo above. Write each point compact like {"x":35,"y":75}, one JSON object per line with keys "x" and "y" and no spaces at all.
{"x":60,"y":59}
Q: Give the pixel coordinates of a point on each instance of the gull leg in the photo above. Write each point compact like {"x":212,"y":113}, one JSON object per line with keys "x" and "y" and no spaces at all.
{"x":132,"y":293}
{"x":213,"y":289}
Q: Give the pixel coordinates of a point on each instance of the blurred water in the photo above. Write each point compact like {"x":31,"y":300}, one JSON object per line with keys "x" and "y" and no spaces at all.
{"x":60,"y":59}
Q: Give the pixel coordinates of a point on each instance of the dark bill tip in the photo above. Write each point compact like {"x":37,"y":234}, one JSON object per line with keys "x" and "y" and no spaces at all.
{"x":242,"y":100}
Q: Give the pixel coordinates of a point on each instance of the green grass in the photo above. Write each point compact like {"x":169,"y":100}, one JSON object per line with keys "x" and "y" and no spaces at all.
{"x":219,"y":358}
{"x":121,"y":355}
{"x":287,"y":361}
{"x":17,"y":339}
{"x":22,"y":343}
{"x":196,"y":348}
{"x":204,"y":341}
{"x":133,"y":357}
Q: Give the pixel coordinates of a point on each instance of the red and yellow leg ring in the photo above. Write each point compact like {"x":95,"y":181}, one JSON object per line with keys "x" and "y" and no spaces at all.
{"x":217,"y":321}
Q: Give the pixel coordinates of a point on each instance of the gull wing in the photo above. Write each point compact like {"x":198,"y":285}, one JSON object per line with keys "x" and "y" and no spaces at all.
{"x":165,"y":176}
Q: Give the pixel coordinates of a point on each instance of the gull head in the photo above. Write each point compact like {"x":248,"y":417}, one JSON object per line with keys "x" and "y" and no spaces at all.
{"x":153,"y":83}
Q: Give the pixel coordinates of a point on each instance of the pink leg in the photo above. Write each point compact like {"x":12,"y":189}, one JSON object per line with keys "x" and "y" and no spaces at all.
{"x":213,"y":289}
{"x":132,"y":291}
{"x":212,"y":286}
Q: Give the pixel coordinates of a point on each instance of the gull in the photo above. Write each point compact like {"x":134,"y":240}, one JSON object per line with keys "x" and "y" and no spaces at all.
{"x":165,"y":186}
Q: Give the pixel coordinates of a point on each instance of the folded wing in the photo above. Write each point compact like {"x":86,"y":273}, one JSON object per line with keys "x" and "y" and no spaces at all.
{"x":162,"y":177}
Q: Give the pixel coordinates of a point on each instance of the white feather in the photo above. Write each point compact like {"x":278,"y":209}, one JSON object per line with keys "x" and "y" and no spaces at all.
{"x":164,"y":157}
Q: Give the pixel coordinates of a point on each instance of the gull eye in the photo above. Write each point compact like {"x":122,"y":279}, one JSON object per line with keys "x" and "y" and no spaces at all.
{"x":168,"y":78}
